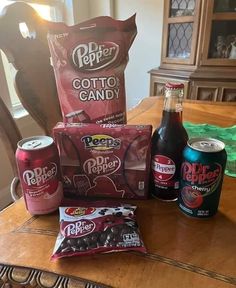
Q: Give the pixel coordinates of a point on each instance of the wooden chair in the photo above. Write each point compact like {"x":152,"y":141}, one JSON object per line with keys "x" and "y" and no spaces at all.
{"x":34,"y":80}
{"x":10,"y":135}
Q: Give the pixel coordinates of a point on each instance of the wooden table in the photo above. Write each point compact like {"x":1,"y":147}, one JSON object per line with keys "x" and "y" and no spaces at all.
{"x":182,"y":252}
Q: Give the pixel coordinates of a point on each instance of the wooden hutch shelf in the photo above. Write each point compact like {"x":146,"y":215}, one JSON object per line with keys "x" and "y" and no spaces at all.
{"x":198,"y":49}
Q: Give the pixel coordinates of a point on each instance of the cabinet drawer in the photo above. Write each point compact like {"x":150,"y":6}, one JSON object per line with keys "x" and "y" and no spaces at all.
{"x":158,"y":89}
{"x":211,"y":91}
{"x":205,"y":91}
{"x":229,"y":95}
{"x":157,"y":85}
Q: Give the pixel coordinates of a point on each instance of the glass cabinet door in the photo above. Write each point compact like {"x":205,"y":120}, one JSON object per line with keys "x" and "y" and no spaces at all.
{"x":222,"y":6}
{"x":181,"y":8}
{"x":180,"y":31}
{"x":180,"y":40}
{"x":219,"y":45}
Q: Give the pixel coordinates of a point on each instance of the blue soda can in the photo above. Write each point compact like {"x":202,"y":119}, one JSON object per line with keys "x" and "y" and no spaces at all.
{"x":202,"y":172}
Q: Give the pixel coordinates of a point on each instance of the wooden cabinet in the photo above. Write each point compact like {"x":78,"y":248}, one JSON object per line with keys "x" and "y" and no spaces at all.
{"x":198,"y":49}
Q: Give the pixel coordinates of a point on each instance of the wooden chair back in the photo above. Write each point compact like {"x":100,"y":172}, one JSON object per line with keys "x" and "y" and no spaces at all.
{"x":34,"y":79}
{"x":30,"y":55}
{"x":9,"y":134}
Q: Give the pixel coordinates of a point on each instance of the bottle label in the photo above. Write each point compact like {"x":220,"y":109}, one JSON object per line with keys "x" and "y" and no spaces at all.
{"x":178,"y":107}
{"x":163,"y":169}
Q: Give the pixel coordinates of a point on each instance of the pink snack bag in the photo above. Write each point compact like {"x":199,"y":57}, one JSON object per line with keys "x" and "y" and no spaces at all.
{"x":89,"y":61}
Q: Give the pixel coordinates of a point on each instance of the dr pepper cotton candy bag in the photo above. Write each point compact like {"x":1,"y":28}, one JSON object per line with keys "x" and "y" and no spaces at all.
{"x":89,"y":61}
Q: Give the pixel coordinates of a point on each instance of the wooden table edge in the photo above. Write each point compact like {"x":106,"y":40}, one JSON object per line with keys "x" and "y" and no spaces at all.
{"x":146,"y":103}
{"x":20,"y":275}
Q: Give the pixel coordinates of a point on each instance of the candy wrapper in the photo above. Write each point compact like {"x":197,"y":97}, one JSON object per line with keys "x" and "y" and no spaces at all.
{"x":89,"y":61}
{"x":90,"y":230}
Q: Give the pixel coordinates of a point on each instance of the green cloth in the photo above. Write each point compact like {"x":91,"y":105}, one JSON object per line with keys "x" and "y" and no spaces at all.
{"x":226,"y":135}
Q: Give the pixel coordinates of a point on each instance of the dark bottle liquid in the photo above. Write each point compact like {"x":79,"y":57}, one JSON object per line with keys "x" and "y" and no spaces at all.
{"x":168,"y":142}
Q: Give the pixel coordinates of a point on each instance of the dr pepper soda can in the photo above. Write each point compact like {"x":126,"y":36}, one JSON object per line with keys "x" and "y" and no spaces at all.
{"x":39,"y":172}
{"x":202,"y":174}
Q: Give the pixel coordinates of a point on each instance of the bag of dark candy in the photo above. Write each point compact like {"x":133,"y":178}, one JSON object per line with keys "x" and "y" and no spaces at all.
{"x":90,"y":230}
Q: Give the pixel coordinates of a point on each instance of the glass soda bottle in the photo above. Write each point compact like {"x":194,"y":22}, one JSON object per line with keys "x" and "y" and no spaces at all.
{"x":168,"y":142}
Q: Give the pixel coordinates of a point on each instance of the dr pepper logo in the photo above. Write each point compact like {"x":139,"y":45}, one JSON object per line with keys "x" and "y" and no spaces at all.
{"x":102,"y":165}
{"x":93,"y":56}
{"x":40,"y":175}
{"x":78,"y":228}
{"x":163,"y":168}
{"x":201,"y":174}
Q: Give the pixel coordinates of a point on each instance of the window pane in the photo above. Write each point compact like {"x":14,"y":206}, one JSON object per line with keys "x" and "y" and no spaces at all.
{"x":180,"y":39}
{"x":224,"y":6}
{"x":223,"y":40}
{"x":182,"y":8}
{"x":10,"y":72}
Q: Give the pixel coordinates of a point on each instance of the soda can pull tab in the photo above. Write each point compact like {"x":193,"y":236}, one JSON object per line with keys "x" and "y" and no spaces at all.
{"x":32,"y":144}
{"x":206,"y":144}
{"x":35,"y":143}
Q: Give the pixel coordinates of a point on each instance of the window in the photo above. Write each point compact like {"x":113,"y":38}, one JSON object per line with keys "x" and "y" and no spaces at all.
{"x":50,"y":10}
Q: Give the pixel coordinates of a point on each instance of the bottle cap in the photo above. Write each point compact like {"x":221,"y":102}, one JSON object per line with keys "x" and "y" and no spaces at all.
{"x":174,"y":85}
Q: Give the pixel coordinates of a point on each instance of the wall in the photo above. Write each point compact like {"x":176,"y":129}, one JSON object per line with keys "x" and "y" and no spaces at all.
{"x":146,"y":50}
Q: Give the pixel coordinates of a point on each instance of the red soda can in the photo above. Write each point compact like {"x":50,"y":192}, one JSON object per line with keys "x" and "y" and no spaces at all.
{"x":39,"y":172}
